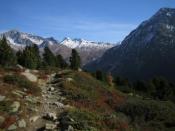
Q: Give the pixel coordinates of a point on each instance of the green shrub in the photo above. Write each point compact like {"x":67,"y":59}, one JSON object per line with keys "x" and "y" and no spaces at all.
{"x":80,"y":119}
{"x":5,"y":106}
{"x":18,"y":80}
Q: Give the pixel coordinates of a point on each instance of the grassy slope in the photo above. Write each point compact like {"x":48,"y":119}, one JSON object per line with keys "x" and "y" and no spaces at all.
{"x":95,"y":103}
{"x":100,"y":107}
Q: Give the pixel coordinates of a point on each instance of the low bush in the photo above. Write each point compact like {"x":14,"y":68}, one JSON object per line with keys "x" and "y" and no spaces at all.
{"x":18,"y":80}
{"x":145,"y":112}
{"x":5,"y":106}
{"x":79,"y":119}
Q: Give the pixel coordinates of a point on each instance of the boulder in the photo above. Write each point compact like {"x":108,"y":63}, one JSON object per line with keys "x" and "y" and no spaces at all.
{"x":80,"y":70}
{"x":69,"y":79}
{"x":70,"y":128}
{"x":22,"y":123}
{"x":19,"y":67}
{"x":59,"y":105}
{"x":12,"y":127}
{"x":34,"y":118}
{"x":2,"y":98}
{"x":50,"y":126}
{"x":31,"y":99}
{"x":51,"y":116}
{"x":51,"y":89}
{"x":15,"y":107}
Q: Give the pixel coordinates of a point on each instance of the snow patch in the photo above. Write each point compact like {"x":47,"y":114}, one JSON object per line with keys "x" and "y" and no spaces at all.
{"x":168,"y":14}
{"x":11,"y":41}
{"x":170,"y":27}
{"x":36,"y":41}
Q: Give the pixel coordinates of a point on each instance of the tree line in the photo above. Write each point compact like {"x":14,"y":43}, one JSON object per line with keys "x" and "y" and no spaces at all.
{"x":31,"y":58}
{"x":157,"y":88}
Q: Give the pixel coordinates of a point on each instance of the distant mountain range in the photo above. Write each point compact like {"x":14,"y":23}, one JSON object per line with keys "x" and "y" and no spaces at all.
{"x":88,"y":50}
{"x":147,"y":51}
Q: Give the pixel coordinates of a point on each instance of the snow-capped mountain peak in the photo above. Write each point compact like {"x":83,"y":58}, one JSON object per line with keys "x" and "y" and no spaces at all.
{"x":18,"y":38}
{"x":82,"y":43}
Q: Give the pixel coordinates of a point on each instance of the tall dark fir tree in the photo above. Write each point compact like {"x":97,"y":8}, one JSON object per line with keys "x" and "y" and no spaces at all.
{"x":29,"y":57}
{"x":75,"y":60}
{"x":48,"y":57}
{"x":60,"y":62}
{"x":7,"y":55}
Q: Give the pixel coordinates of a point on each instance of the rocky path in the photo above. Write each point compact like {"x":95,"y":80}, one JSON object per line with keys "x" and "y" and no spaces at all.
{"x":51,"y":106}
{"x":36,"y":112}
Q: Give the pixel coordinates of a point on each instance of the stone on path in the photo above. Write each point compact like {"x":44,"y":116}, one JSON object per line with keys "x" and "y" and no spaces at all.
{"x":31,"y":77}
{"x":70,"y":128}
{"x":12,"y":127}
{"x":59,"y":105}
{"x":50,"y":126}
{"x":22,"y":123}
{"x":34,"y":118}
{"x":51,"y":116}
{"x":15,"y":107}
{"x":2,"y":98}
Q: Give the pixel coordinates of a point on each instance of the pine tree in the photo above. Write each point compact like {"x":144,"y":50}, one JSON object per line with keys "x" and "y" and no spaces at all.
{"x":60,"y":62}
{"x":37,"y":55}
{"x":99,"y":75}
{"x":19,"y":55}
{"x":75,"y":60}
{"x":29,"y":57}
{"x":48,"y":57}
{"x":7,"y":56}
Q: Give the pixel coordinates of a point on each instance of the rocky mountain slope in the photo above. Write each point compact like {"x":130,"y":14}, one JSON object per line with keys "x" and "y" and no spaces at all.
{"x":88,"y":50}
{"x":146,"y":52}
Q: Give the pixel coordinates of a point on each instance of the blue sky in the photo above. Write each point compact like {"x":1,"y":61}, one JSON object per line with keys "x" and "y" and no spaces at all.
{"x":98,"y":20}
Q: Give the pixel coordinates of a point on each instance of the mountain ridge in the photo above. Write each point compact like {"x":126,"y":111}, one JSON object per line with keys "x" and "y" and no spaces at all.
{"x":16,"y":37}
{"x":88,"y":50}
{"x":146,"y":52}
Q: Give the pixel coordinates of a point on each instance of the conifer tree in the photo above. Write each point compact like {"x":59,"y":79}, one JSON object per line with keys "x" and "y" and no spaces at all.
{"x":37,"y":55}
{"x":7,"y":56}
{"x":48,"y":57}
{"x":99,"y":75}
{"x":60,"y":62}
{"x":19,"y":55}
{"x":75,"y":60}
{"x":29,"y":57}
